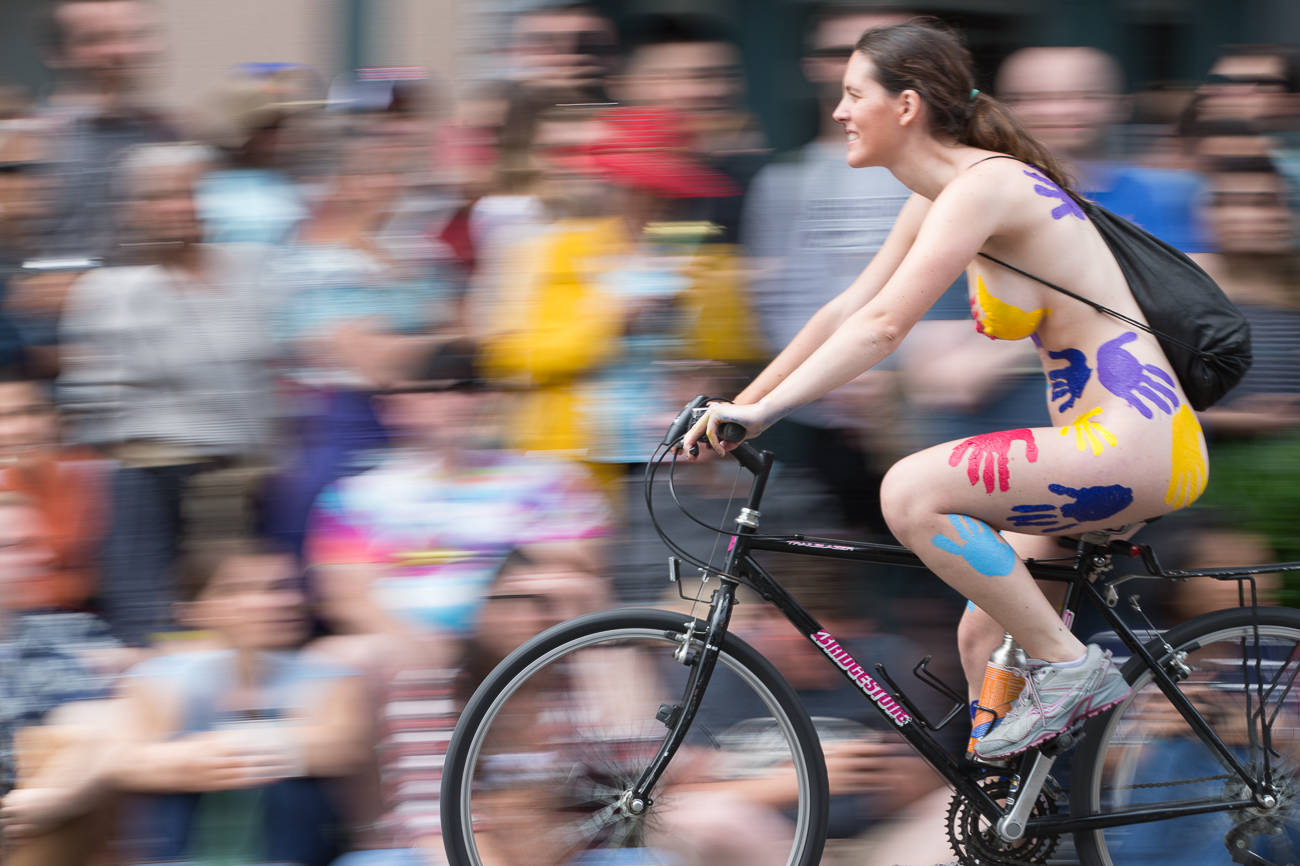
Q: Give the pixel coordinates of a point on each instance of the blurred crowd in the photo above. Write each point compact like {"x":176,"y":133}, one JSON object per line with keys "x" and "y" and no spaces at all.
{"x":307,"y":420}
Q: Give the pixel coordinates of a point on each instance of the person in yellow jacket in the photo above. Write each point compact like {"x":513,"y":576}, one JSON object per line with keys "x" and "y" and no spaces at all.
{"x":601,"y":308}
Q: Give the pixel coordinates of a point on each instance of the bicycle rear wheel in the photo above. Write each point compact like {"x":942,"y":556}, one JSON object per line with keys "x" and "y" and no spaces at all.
{"x":1144,"y":754}
{"x":554,"y":737}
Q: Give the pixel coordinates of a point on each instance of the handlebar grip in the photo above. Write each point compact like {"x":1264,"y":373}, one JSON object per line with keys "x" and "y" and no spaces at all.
{"x":730,"y":431}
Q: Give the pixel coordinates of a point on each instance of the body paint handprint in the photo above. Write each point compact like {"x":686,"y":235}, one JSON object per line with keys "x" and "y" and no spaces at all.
{"x":981,"y":546}
{"x":991,"y":449}
{"x":1188,"y":473}
{"x":998,"y":320}
{"x":1046,"y":187}
{"x":1090,"y":504}
{"x":1068,"y":381}
{"x":1123,"y":375}
{"x":1089,"y":433}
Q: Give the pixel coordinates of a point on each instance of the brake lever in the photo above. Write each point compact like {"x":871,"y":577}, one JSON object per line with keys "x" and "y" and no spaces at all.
{"x":684,"y":421}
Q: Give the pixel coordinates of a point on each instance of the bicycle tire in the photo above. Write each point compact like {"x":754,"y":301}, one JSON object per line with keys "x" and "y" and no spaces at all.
{"x":1140,"y":751}
{"x":474,"y":796}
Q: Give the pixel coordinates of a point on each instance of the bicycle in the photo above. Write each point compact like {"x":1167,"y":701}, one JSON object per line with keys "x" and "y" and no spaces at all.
{"x":546,"y":761}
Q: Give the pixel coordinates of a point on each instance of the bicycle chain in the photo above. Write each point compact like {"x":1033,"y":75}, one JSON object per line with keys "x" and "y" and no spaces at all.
{"x":1219,"y":778}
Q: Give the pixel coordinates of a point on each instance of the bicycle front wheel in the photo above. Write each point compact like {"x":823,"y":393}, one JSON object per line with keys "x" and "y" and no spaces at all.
{"x":544,"y":752}
{"x":1143,"y":754}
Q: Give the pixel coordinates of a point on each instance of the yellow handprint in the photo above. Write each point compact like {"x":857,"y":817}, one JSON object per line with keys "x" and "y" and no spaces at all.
{"x":1188,"y":473}
{"x":1089,"y":433}
{"x":996,"y":318}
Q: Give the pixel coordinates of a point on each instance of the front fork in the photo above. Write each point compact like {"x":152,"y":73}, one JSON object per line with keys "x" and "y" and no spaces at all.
{"x":678,"y":717}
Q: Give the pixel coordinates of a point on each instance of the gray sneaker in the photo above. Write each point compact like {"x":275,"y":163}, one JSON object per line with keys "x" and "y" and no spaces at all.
{"x":1053,"y":700}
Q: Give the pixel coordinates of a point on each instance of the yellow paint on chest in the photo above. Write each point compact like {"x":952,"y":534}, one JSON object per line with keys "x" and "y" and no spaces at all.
{"x":998,"y":320}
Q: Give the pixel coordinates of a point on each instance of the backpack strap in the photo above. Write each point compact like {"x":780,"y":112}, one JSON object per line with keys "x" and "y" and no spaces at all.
{"x":1099,"y":307}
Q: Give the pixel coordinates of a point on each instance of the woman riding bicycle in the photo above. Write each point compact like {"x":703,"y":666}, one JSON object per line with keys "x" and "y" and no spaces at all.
{"x":1125,"y":445}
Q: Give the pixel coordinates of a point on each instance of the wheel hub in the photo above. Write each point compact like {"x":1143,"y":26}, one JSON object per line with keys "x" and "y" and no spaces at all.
{"x":1274,"y":809}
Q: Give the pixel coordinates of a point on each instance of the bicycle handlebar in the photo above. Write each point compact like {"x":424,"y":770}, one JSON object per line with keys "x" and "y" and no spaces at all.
{"x":730,"y":431}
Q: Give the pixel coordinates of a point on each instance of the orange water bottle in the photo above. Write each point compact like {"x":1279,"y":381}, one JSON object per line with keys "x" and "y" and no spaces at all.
{"x":1002,"y":685}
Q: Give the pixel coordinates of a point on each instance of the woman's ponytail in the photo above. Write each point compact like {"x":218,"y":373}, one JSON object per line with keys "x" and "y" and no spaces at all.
{"x":992,"y":126}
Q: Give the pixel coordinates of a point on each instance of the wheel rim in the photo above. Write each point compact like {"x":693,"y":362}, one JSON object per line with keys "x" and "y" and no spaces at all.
{"x":639,"y":746}
{"x":1142,"y":768}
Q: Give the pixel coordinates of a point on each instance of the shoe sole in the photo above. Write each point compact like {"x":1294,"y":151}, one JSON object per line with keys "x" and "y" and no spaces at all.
{"x":1074,"y":720}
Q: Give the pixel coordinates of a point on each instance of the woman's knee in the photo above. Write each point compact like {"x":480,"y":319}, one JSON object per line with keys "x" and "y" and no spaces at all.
{"x":904,"y":498}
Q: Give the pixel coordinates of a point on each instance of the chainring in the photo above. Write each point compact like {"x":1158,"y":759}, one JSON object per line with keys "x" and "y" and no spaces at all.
{"x":975,"y":842}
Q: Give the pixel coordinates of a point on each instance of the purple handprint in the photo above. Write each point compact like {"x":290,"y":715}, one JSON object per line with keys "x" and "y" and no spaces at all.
{"x":1068,"y":381}
{"x":1123,"y":375}
{"x":1090,"y":504}
{"x":1046,"y":187}
{"x":994,"y":449}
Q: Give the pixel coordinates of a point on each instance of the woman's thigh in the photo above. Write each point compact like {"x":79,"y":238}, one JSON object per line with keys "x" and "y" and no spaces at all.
{"x":1041,"y":481}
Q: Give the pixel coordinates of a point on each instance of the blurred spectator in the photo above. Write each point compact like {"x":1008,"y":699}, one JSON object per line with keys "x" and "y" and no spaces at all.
{"x":1255,"y":83}
{"x":1254,"y":433}
{"x":405,"y":552}
{"x":24,"y":208}
{"x":1257,"y":86}
{"x":354,"y":292}
{"x":67,"y":486}
{"x":564,"y":51}
{"x":166,"y":370}
{"x":40,"y":671}
{"x":606,"y":303}
{"x":236,"y":740}
{"x":252,"y":198}
{"x":691,"y":64}
{"x":1072,"y":100}
{"x":102,"y":54}
{"x":812,"y":224}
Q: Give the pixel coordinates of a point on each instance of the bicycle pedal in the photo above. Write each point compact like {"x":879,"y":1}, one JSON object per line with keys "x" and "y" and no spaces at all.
{"x":1064,"y":741}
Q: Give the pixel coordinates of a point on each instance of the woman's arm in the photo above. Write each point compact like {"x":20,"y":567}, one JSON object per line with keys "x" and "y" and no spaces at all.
{"x":952,"y":232}
{"x":833,"y":314}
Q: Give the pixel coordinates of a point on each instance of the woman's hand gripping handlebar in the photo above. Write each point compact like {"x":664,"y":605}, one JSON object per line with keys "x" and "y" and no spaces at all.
{"x":707,"y":417}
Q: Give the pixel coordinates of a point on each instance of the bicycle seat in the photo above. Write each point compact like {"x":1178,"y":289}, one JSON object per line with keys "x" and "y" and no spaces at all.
{"x":1103,"y":537}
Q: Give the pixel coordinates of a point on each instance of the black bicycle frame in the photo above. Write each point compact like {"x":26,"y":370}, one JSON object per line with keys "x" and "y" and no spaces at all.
{"x":1088,"y":576}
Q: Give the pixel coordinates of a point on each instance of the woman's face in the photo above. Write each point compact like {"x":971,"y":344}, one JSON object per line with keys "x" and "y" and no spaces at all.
{"x":255,"y":602}
{"x":163,"y":209}
{"x":868,"y":113}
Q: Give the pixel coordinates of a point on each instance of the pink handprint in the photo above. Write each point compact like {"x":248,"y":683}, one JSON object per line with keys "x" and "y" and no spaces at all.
{"x":991,"y":447}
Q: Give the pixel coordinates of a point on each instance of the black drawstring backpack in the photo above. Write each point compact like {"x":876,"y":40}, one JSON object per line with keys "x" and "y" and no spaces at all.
{"x":1204,"y":336}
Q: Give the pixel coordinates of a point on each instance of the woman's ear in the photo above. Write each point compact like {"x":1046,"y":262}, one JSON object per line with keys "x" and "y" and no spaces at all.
{"x":909,"y":107}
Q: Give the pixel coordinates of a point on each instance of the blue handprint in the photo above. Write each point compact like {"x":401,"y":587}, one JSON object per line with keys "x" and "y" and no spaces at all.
{"x":1045,"y":187}
{"x":980,"y":546}
{"x":1123,"y":375}
{"x":1068,"y":381}
{"x":1090,"y":504}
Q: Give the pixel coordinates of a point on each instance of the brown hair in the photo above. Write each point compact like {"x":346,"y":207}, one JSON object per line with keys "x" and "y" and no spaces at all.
{"x":198,"y":565}
{"x":925,"y":56}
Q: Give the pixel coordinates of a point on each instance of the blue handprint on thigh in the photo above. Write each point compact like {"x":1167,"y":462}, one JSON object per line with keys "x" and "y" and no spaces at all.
{"x":1068,"y":381}
{"x":1123,"y":375}
{"x":980,"y":545}
{"x":1090,"y":504}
